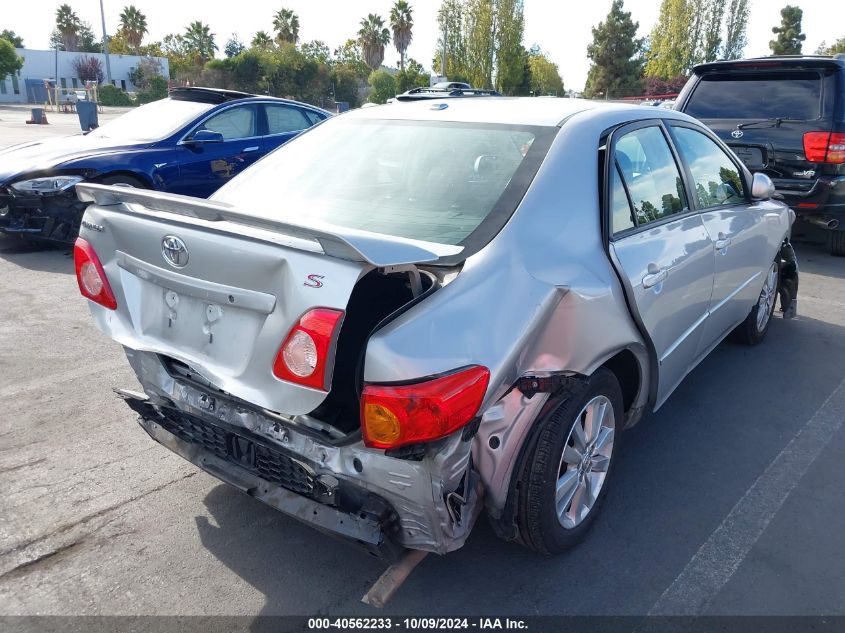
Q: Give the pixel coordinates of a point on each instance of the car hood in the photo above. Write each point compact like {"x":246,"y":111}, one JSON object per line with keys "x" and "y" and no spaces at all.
{"x":26,"y":158}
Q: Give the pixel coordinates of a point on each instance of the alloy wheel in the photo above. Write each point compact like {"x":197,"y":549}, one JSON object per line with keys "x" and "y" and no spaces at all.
{"x":767,"y":298}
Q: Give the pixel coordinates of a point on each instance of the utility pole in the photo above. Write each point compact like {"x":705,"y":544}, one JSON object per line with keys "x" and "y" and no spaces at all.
{"x":105,"y":43}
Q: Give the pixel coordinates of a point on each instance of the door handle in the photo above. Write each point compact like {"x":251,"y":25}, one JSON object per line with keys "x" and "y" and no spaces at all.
{"x":655,"y":276}
{"x":253,"y":148}
{"x":723,"y":242}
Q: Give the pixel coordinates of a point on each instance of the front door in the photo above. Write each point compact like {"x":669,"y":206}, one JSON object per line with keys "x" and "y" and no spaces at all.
{"x":662,"y":249}
{"x":205,"y":167}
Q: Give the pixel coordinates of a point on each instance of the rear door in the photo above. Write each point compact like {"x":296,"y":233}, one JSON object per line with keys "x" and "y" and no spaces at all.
{"x":206,"y":167}
{"x":763,"y":113}
{"x":661,"y":248}
{"x":735,"y":224}
{"x":285,"y":121}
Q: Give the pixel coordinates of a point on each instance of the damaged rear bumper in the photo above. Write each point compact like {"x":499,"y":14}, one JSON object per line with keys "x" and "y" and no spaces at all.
{"x":382,"y":503}
{"x":54,"y":217}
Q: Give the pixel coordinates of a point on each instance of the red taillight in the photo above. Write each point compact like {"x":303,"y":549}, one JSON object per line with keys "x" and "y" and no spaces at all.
{"x":396,"y":415}
{"x":90,"y":275}
{"x":303,"y":358}
{"x":824,"y":147}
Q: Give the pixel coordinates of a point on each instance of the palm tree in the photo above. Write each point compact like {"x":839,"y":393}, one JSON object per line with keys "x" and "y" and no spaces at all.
{"x":286,"y":25}
{"x":68,"y":25}
{"x":262,"y":40}
{"x":133,"y":23}
{"x":199,"y":41}
{"x":373,"y":37}
{"x":401,"y":22}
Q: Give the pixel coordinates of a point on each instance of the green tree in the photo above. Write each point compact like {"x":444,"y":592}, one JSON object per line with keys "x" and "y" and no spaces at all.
{"x":789,"y":35}
{"x":737,"y":23}
{"x":133,"y":24}
{"x":712,"y":30}
{"x":615,"y":53}
{"x":479,"y":22}
{"x":13,"y":38}
{"x":68,"y":25}
{"x":286,"y":25}
{"x":383,"y":85}
{"x":262,"y":40}
{"x":9,"y":61}
{"x":198,"y":41}
{"x":402,"y":24}
{"x":233,"y":46}
{"x":373,"y":37}
{"x":412,"y":76}
{"x":545,"y":76}
{"x":837,"y":47}
{"x":350,"y":56}
{"x":510,"y":26}
{"x":318,"y":51}
{"x":450,"y":20}
{"x":669,"y":51}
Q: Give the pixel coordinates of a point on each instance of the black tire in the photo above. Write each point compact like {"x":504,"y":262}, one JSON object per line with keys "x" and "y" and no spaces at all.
{"x":122,"y":179}
{"x":748,"y":332}
{"x":836,"y":243}
{"x":536,"y":511}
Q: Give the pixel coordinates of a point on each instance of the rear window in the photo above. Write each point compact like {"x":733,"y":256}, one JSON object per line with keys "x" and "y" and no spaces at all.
{"x":796,"y":95}
{"x":433,"y":181}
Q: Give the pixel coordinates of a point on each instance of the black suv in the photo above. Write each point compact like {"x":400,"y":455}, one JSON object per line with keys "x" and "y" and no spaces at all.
{"x":785,"y":117}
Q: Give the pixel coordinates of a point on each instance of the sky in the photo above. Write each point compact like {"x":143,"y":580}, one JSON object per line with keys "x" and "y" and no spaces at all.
{"x":561,"y":28}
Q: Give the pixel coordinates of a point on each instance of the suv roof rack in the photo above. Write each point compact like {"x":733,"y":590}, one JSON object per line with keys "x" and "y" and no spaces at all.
{"x":415,"y":94}
{"x":206,"y":95}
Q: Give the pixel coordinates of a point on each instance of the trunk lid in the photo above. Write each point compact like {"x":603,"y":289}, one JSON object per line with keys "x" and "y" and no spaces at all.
{"x":219,"y":290}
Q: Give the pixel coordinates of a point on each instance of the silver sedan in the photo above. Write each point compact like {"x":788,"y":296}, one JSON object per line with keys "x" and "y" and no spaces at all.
{"x":414,"y":313}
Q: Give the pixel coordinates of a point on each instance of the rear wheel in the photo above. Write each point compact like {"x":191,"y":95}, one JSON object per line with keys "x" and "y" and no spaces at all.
{"x":753,"y":330}
{"x":565,"y":473}
{"x":836,"y":242}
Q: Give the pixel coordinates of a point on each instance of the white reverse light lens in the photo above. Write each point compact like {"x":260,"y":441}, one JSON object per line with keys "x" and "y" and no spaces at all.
{"x":91,"y":278}
{"x":50,"y":184}
{"x":300,"y":354}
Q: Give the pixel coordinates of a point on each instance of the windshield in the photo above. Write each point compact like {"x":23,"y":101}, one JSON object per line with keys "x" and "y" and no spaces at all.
{"x":790,"y":95}
{"x":152,"y":122}
{"x":432,"y":181}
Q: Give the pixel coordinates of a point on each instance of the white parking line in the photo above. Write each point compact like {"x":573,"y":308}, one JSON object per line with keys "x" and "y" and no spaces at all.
{"x":722,"y":553}
{"x":45,"y":382}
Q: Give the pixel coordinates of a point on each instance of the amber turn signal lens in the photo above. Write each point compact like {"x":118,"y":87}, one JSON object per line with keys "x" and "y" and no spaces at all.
{"x":381,"y":423}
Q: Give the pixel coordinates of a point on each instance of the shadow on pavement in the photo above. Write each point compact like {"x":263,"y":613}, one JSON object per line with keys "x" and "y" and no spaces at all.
{"x":680,"y":472}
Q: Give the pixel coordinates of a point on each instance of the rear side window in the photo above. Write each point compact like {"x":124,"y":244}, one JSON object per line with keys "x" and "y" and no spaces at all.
{"x":651,"y":174}
{"x":622,"y":218}
{"x":716,"y":176}
{"x":796,"y":95}
{"x":284,"y":119}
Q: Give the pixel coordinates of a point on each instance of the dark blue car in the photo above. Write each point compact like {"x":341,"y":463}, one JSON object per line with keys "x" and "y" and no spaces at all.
{"x":191,"y":143}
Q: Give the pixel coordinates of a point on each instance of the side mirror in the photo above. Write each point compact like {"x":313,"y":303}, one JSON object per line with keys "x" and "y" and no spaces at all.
{"x":201,"y":137}
{"x":762,"y":187}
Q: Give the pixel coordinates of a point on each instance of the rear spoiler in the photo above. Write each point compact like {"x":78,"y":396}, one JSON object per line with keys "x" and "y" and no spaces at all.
{"x":374,"y":248}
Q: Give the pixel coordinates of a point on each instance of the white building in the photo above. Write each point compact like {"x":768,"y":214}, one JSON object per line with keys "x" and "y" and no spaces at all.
{"x":41,"y":65}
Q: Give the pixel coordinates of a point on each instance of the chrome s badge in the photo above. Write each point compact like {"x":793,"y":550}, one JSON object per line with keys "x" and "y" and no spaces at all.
{"x":737,"y":133}
{"x":174,"y":251}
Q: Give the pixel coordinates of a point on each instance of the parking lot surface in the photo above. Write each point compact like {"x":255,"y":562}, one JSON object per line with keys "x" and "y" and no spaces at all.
{"x":729,"y":500}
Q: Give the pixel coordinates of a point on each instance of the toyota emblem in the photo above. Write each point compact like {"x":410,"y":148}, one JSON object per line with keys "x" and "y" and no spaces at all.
{"x":174,"y":251}
{"x":737,"y":133}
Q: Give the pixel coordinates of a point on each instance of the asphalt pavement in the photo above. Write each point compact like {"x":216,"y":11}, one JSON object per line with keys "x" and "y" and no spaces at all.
{"x":729,"y":500}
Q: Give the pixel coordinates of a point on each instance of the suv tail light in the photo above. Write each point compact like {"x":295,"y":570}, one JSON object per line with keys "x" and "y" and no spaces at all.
{"x":396,"y":415}
{"x":90,"y":275}
{"x":824,"y":147}
{"x":304,"y":357}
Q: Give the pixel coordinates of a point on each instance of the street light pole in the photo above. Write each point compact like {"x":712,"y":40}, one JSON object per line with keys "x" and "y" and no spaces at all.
{"x":105,"y":43}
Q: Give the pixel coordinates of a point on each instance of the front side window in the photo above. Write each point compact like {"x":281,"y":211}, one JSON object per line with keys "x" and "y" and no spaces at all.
{"x":651,"y":174}
{"x":234,"y":123}
{"x":716,"y":176}
{"x":285,"y":119}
